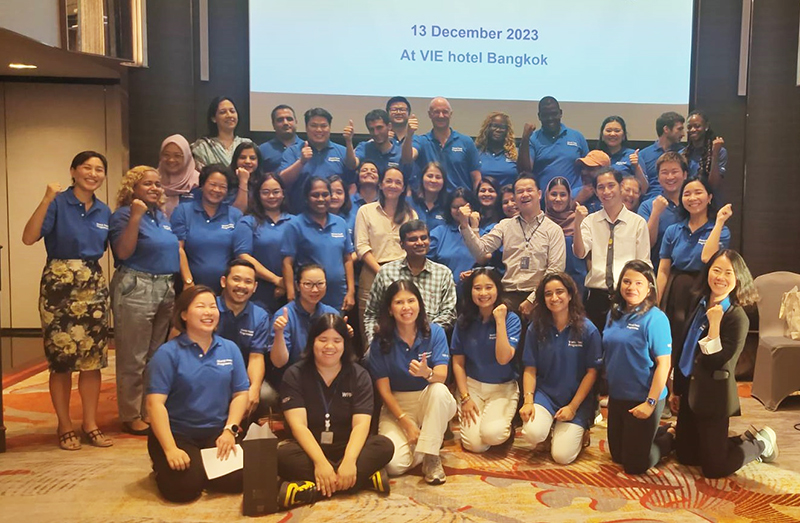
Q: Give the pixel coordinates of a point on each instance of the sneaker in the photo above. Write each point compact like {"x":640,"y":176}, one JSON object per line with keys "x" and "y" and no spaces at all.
{"x":379,"y":482}
{"x":603,"y":402}
{"x":295,"y":493}
{"x":432,"y":470}
{"x":770,"y":440}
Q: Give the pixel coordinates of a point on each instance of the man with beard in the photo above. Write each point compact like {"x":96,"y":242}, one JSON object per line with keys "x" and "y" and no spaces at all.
{"x":285,"y":124}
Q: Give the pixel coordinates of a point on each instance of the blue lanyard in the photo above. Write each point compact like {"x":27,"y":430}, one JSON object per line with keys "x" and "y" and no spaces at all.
{"x":327,"y":404}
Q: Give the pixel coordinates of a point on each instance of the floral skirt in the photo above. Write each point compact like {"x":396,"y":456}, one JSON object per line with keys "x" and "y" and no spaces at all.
{"x":74,"y":307}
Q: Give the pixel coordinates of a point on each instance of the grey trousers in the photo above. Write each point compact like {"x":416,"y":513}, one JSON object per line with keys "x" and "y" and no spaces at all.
{"x":142,"y":304}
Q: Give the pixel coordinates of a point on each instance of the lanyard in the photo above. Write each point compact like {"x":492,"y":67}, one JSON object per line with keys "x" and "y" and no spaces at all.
{"x":327,"y":404}
{"x":521,"y":228}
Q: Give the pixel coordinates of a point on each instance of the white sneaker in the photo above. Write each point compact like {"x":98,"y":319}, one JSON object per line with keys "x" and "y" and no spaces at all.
{"x":432,"y":470}
{"x":770,"y":440}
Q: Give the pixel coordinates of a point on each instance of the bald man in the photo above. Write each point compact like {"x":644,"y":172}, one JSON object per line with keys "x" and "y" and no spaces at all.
{"x":455,"y":151}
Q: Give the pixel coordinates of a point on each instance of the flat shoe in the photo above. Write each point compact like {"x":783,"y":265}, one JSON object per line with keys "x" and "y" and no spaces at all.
{"x":128,"y":428}
{"x":69,"y":441}
{"x":96,"y":438}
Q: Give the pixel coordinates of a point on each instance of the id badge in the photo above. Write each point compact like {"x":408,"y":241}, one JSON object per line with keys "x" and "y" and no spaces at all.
{"x":326,"y":437}
{"x":525,"y":263}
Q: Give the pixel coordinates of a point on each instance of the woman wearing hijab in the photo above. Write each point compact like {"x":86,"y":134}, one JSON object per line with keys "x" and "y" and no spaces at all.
{"x":177,"y":169}
{"x":560,"y":208}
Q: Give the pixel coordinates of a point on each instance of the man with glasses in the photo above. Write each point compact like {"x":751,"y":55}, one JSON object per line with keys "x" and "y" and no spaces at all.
{"x":434,"y":280}
{"x":317,"y":156}
{"x":285,"y":124}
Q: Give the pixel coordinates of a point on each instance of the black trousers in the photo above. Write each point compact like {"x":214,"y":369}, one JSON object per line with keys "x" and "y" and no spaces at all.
{"x":705,"y":442}
{"x":597,"y":303}
{"x":295,"y":465}
{"x":181,"y":486}
{"x":632,"y":441}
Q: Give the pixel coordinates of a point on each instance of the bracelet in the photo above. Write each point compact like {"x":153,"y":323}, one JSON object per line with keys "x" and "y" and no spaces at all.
{"x":430,"y":375}
{"x":528,"y":394}
{"x":465,"y":398}
{"x":243,"y":189}
{"x":401,"y":416}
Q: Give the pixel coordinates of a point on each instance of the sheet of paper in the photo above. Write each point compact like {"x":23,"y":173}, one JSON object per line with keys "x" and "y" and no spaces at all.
{"x":217,"y":467}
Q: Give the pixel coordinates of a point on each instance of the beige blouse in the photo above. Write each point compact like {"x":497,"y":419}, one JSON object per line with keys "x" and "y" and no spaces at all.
{"x":377,"y":232}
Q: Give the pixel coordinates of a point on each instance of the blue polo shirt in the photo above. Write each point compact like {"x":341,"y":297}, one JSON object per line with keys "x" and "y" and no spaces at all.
{"x":499,"y":166}
{"x":71,"y":232}
{"x":621,"y":161}
{"x":326,"y":162}
{"x":306,"y":242}
{"x":199,"y":387}
{"x":631,"y":345}
{"x":369,"y":151}
{"x":249,"y":330}
{"x":432,"y":217}
{"x":295,"y":335}
{"x":262,"y":242}
{"x":561,"y":361}
{"x":395,"y":364}
{"x":157,"y":250}
{"x":685,"y":248}
{"x":576,"y":267}
{"x":697,"y":156}
{"x":593,"y":204}
{"x":459,"y":156}
{"x":208,"y":241}
{"x":670,"y":216}
{"x":477,"y":344}
{"x":448,"y":248}
{"x":648,"y":157}
{"x":553,"y":157}
{"x":358,"y":201}
{"x":272,"y":153}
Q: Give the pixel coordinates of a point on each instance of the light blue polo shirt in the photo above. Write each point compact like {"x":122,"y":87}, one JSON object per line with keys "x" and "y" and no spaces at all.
{"x":272,"y":153}
{"x":499,"y":166}
{"x":326,"y":162}
{"x":553,"y":157}
{"x":262,"y":242}
{"x":305,"y":241}
{"x":670,"y":216}
{"x":394,"y":365}
{"x":685,"y":248}
{"x":157,"y":250}
{"x":648,"y":157}
{"x":199,"y":387}
{"x":477,"y":344}
{"x":631,"y":345}
{"x":71,"y":232}
{"x":459,"y":156}
{"x":561,"y":362}
{"x":249,"y":330}
{"x":208,"y":241}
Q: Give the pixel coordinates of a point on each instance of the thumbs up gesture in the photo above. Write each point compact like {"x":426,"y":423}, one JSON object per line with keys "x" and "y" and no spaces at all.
{"x":634,"y":158}
{"x":306,"y":153}
{"x":413,"y":124}
{"x":348,"y":131}
{"x":281,"y":321}
{"x":419,"y":368}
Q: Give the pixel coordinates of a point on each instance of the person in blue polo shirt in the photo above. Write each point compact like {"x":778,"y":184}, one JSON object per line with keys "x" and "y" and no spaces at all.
{"x":258,"y":237}
{"x":590,"y":166}
{"x":317,"y":236}
{"x":73,"y":299}
{"x":447,"y":244}
{"x":408,"y":359}
{"x":284,"y":122}
{"x":317,"y":156}
{"x":483,"y":347}
{"x":562,"y":356}
{"x":497,"y":148}
{"x":429,"y":201}
{"x":553,"y":149}
{"x":197,"y":396}
{"x":669,"y":127}
{"x":341,"y":204}
{"x":247,"y":163}
{"x":366,"y":185}
{"x":705,"y":153}
{"x":205,"y":229}
{"x":662,"y":210}
{"x":614,"y":142}
{"x":247,"y":325}
{"x":380,"y":149}
{"x":146,"y":255}
{"x":289,"y":331}
{"x":455,"y":151}
{"x":637,"y":345}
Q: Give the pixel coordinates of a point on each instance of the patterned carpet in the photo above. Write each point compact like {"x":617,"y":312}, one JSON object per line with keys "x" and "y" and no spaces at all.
{"x":41,"y":483}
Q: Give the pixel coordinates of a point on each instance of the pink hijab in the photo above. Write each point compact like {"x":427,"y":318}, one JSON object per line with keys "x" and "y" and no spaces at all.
{"x":183,"y":182}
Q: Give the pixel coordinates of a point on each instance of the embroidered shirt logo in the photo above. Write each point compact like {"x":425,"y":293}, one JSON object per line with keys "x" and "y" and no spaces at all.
{"x":103,"y":226}
{"x":225,"y":362}
{"x":245,"y":332}
{"x":228,"y":226}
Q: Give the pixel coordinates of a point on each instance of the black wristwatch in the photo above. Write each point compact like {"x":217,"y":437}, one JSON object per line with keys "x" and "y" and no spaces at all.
{"x":234,"y":428}
{"x":650,"y":401}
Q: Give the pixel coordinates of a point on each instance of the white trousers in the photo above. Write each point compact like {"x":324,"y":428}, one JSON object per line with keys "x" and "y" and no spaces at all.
{"x":497,"y":403}
{"x":567,"y":436}
{"x":431,"y":409}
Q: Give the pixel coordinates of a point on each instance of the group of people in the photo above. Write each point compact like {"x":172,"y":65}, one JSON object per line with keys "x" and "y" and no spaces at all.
{"x":426,"y":258}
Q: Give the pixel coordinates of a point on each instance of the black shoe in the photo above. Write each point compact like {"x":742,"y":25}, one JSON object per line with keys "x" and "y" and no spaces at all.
{"x":379,"y":482}
{"x":128,"y":427}
{"x":296,"y":493}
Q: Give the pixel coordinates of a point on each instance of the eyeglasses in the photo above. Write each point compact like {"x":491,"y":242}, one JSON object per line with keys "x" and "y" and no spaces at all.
{"x":267,"y":192}
{"x":309,"y":285}
{"x":398,"y":110}
{"x":221,"y":186}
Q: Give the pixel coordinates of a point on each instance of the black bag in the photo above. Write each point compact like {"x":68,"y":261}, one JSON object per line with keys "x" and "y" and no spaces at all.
{"x":260,"y":471}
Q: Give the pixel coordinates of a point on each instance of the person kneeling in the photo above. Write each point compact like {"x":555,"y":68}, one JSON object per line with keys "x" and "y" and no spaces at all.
{"x":196,"y":398}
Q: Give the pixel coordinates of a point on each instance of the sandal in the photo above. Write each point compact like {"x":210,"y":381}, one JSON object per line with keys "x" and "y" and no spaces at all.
{"x":96,"y":438}
{"x":69,"y":440}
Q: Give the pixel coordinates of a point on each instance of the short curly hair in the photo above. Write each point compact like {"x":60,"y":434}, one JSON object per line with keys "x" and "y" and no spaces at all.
{"x":129,"y":181}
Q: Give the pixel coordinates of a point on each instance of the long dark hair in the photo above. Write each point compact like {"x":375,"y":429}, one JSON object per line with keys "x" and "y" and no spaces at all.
{"x":469,"y":311}
{"x":624,"y":143}
{"x":542,"y":318}
{"x":403,"y":210}
{"x":254,"y":205}
{"x":347,"y":206}
{"x":459,"y":192}
{"x":213,"y":129}
{"x":711,"y":211}
{"x":183,"y":302}
{"x":238,"y":151}
{"x":419,"y":194}
{"x":493,"y":213}
{"x":387,"y":323}
{"x":321,"y":324}
{"x":618,"y":303}
{"x":708,"y":140}
{"x":745,"y":293}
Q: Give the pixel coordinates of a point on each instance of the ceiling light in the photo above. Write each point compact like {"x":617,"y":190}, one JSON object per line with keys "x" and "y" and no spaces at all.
{"x":21,"y":66}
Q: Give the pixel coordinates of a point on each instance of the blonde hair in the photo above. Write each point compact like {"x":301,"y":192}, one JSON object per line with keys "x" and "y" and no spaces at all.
{"x":509,"y":146}
{"x":129,"y":181}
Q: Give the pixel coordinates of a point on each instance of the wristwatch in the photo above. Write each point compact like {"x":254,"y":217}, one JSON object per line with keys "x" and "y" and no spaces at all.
{"x":235,"y":430}
{"x":188,"y":281}
{"x":651,"y":402}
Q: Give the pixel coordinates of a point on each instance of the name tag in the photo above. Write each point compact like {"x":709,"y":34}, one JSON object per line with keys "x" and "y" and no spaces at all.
{"x":103,"y":226}
{"x":337,"y":235}
{"x":245,"y":332}
{"x":633,"y":326}
{"x":224,"y":363}
{"x":457,"y":149}
{"x":228,"y":226}
{"x":573,"y":144}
